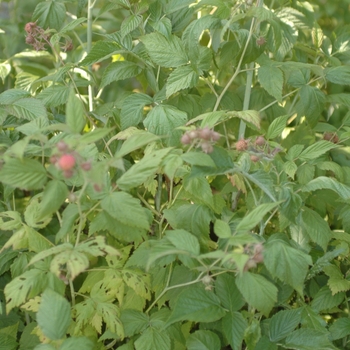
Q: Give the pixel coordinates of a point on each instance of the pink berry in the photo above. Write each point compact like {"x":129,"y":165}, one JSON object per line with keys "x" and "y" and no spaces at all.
{"x":62,"y":146}
{"x":186,"y":139}
{"x":86,"y":166}
{"x":205,"y":133}
{"x":207,"y":147}
{"x":66,"y":162}
{"x":215,"y":136}
{"x":193,"y":134}
{"x":260,"y":141}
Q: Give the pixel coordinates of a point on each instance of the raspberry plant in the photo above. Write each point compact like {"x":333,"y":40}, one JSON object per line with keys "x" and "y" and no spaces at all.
{"x":174,"y":175}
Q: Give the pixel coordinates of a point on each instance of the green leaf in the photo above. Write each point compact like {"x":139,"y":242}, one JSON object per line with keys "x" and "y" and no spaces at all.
{"x":183,"y":240}
{"x":27,"y":108}
{"x":130,"y":23}
{"x":203,"y":340}
{"x":233,"y":327}
{"x":276,"y":127}
{"x":290,"y":168}
{"x":94,"y":135}
{"x":248,"y":116}
{"x":325,"y":300}
{"x":48,"y":252}
{"x":311,"y":104}
{"x":308,"y":339}
{"x":222,"y":229}
{"x":53,"y":316}
{"x":316,"y":150}
{"x":50,"y":14}
{"x":336,"y":282}
{"x":132,"y":109}
{"x":72,"y":25}
{"x":182,"y":77}
{"x":315,"y":227}
{"x":166,"y":52}
{"x":283,"y":323}
{"x":338,"y":75}
{"x":12,"y":220}
{"x":135,"y":142}
{"x":153,"y":339}
{"x":286,"y":263}
{"x":199,"y":188}
{"x":54,"y":96}
{"x":163,"y":119}
{"x":77,"y":343}
{"x":255,"y":216}
{"x":26,"y":173}
{"x":271,"y":79}
{"x":7,"y":342}
{"x":27,"y":285}
{"x":323,"y":182}
{"x":340,"y":328}
{"x":134,"y":322}
{"x":226,"y":289}
{"x":199,"y":159}
{"x":75,"y":114}
{"x":142,"y":170}
{"x":197,"y":305}
{"x":257,"y":291}
{"x":100,"y":51}
{"x":55,"y":193}
{"x":126,"y":209}
{"x":119,"y":70}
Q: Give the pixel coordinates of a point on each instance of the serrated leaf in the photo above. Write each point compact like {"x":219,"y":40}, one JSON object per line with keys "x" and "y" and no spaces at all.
{"x":323,"y":182}
{"x":234,"y":326}
{"x":11,"y":95}
{"x":163,"y":119}
{"x":286,"y":263}
{"x":182,"y":77}
{"x":203,"y":340}
{"x":315,"y":227}
{"x":271,"y":79}
{"x":290,"y":168}
{"x":257,"y":291}
{"x":226,"y":289}
{"x":55,"y":193}
{"x":255,"y":216}
{"x":134,"y":321}
{"x":27,"y":108}
{"x":338,"y":75}
{"x":142,"y":170}
{"x":197,"y":305}
{"x":340,"y":328}
{"x":53,"y":316}
{"x":222,"y":229}
{"x":94,"y":135}
{"x":10,"y":220}
{"x":153,"y":339}
{"x":199,"y":159}
{"x":324,"y":299}
{"x":26,"y":173}
{"x":165,"y":51}
{"x":126,"y":209}
{"x":184,"y":240}
{"x":316,"y":150}
{"x":132,"y":109}
{"x":276,"y":127}
{"x":336,"y":282}
{"x":199,"y":188}
{"x":28,"y":284}
{"x":77,"y":343}
{"x":248,"y":116}
{"x":135,"y":142}
{"x":73,"y":24}
{"x":100,"y":51}
{"x":283,"y":323}
{"x":119,"y":70}
{"x":308,"y":339}
{"x":130,"y":23}
{"x":50,"y":14}
{"x":54,"y":96}
{"x":75,"y":114}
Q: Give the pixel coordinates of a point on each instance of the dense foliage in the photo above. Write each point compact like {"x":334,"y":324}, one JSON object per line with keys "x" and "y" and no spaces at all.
{"x":174,"y":174}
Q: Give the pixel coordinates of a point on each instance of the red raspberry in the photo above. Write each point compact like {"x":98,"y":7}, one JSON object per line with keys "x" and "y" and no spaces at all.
{"x":66,"y":162}
{"x":241,"y":145}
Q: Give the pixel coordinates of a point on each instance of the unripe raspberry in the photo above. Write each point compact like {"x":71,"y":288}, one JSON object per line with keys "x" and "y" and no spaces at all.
{"x":331,"y":136}
{"x":72,"y":197}
{"x":193,"y":134}
{"x":250,"y":264}
{"x":207,"y":147}
{"x":68,"y":173}
{"x":86,"y":166}
{"x":205,"y":133}
{"x":207,"y":280}
{"x":254,"y":158}
{"x":66,"y":162}
{"x":62,"y":146}
{"x":186,"y":139}
{"x":261,"y":41}
{"x":30,"y":39}
{"x":29,"y":27}
{"x":54,"y":159}
{"x":260,"y":141}
{"x":241,"y":145}
{"x":215,"y":136}
{"x":97,"y":187}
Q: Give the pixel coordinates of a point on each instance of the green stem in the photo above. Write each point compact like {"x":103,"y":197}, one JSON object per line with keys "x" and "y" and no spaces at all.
{"x":88,"y":48}
{"x":72,"y":293}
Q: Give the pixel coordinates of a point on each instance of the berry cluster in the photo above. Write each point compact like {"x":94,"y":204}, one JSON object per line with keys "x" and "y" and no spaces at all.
{"x":66,"y":160}
{"x":258,"y":148}
{"x":331,"y":136}
{"x":201,"y":137}
{"x":38,"y":38}
{"x":256,"y":256}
